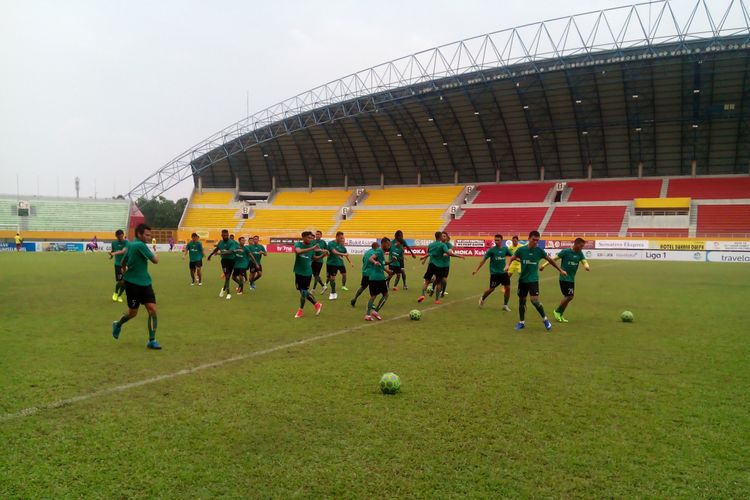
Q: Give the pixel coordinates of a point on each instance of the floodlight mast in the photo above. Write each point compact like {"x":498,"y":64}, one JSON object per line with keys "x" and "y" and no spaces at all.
{"x":643,"y":25}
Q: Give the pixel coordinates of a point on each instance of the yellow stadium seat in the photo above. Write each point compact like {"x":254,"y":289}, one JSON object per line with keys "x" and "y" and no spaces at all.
{"x":212,"y":198}
{"x":320,"y":198}
{"x":217,"y":218}
{"x":290,"y":221}
{"x":414,"y":223}
{"x":432,"y":195}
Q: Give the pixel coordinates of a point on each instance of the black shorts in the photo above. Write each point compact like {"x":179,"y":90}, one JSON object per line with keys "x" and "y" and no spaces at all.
{"x":239,"y":271}
{"x":316,"y":267}
{"x":332,"y":270}
{"x":138,"y":295}
{"x":118,"y":272}
{"x":447,"y":271}
{"x":377,"y":287}
{"x":525,"y":289}
{"x":438,"y":272}
{"x":365,"y":281}
{"x":196,"y":264}
{"x":227,"y":266}
{"x":568,"y":288}
{"x":255,"y":269}
{"x":395,"y":267}
{"x":302,"y":282}
{"x":499,"y":279}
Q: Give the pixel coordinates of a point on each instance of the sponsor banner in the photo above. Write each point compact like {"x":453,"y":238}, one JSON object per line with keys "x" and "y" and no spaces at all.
{"x":418,"y":251}
{"x":738,"y":257}
{"x":743,"y":246}
{"x":622,"y":244}
{"x":560,"y":244}
{"x":202,"y":234}
{"x":279,"y":248}
{"x":653,"y":255}
{"x":11,"y":247}
{"x":470,"y":252}
{"x":284,"y":241}
{"x":64,"y":246}
{"x":473,"y":243}
{"x":678,"y":245}
{"x":419,"y":243}
{"x":360,"y":242}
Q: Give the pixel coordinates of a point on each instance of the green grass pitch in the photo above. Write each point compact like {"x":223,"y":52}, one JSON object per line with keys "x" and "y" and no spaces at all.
{"x":596,"y":408}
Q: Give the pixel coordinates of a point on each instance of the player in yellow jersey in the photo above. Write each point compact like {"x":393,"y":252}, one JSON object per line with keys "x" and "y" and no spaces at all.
{"x":516,"y":265}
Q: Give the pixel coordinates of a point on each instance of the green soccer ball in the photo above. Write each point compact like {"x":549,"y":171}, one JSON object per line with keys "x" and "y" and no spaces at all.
{"x":415,"y":314}
{"x":626,"y":316}
{"x":390,"y":383}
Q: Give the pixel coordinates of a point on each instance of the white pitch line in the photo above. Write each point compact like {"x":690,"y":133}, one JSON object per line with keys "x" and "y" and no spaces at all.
{"x":33,"y":410}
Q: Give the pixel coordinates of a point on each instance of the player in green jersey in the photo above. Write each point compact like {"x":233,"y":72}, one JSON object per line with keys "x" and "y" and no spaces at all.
{"x":317,"y":262}
{"x":256,"y":269}
{"x":530,"y":255}
{"x":242,"y":259}
{"x":569,"y":258}
{"x":226,"y":247}
{"x":303,"y":257}
{"x":119,"y":247}
{"x":448,"y":243}
{"x":376,"y":282}
{"x":498,"y":257}
{"x":138,"y":284}
{"x":365,"y":283}
{"x":335,"y":264}
{"x":194,"y":251}
{"x":439,"y":256}
{"x":396,"y":257}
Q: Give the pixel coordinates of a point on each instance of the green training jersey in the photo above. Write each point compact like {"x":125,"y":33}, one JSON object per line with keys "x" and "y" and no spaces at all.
{"x":377,"y":273}
{"x":116,"y":247}
{"x":321,"y":246}
{"x":227,"y":246}
{"x":530,"y":259}
{"x":497,"y":256}
{"x":366,"y":262}
{"x":450,"y":247}
{"x":303,"y":261}
{"x":257,"y":251}
{"x":242,"y":258}
{"x":195,"y":251}
{"x":136,"y":259}
{"x":569,"y":260}
{"x":436,"y":251}
{"x":396,"y":254}
{"x":333,"y":259}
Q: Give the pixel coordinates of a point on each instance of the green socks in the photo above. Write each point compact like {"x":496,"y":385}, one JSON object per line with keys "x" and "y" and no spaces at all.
{"x":302,"y":300}
{"x":539,"y":308}
{"x":370,"y":306}
{"x":333,"y":285}
{"x":382,"y":302}
{"x":152,"y":327}
{"x":125,"y":318}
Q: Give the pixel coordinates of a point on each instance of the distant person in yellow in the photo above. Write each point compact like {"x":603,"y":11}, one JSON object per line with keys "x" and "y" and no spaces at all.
{"x":153,"y":243}
{"x":19,"y":240}
{"x":516,"y":265}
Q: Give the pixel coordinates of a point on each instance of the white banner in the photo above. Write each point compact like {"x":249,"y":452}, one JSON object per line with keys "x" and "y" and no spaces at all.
{"x":360,"y":242}
{"x":653,"y":255}
{"x":740,"y":257}
{"x":743,"y":246}
{"x":622,"y":244}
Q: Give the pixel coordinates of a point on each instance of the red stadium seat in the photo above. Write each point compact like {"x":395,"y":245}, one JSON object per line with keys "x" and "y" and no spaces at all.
{"x":513,"y":193}
{"x":493,"y":220}
{"x":614,"y":190}
{"x":718,"y":188}
{"x":586,"y":220}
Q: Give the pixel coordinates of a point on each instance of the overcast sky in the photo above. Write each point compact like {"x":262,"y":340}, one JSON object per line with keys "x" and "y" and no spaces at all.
{"x":109,"y":91}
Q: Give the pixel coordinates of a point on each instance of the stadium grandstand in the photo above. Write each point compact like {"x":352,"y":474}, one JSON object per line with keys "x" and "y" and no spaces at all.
{"x":629,"y":121}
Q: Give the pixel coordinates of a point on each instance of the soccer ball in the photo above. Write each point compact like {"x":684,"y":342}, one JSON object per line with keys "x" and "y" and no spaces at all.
{"x":626,"y":316}
{"x":390,"y":383}
{"x":415,"y":314}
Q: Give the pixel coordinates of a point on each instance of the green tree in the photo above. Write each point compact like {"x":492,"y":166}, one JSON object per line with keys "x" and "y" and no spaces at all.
{"x":161,"y":212}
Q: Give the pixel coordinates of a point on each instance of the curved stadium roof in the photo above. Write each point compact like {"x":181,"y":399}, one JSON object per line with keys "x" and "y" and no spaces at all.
{"x":610,"y":89}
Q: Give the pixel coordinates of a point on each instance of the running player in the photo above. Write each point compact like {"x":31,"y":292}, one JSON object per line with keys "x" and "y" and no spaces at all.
{"x":498,"y":257}
{"x":515,"y":267}
{"x":448,"y":243}
{"x":256,"y":269}
{"x":377,"y":283}
{"x":226,"y":247}
{"x":241,"y":263}
{"x":335,"y":264}
{"x":303,"y":256}
{"x":398,"y":245}
{"x":530,"y":255}
{"x":153,"y":242}
{"x":317,"y":263}
{"x":439,"y":254}
{"x":194,"y":249}
{"x":138,"y":284}
{"x":19,"y":242}
{"x":365,"y":282}
{"x":119,"y":247}
{"x":570,"y":259}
